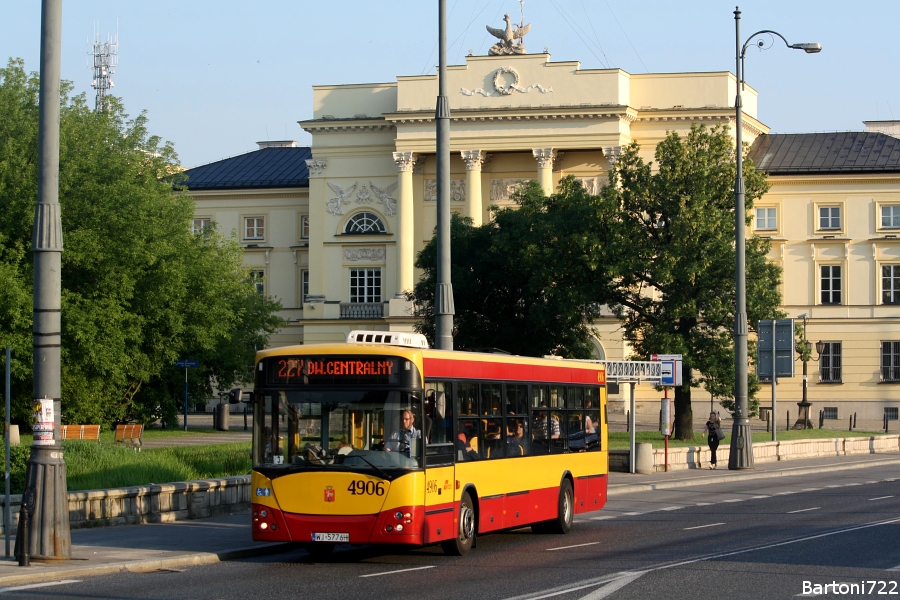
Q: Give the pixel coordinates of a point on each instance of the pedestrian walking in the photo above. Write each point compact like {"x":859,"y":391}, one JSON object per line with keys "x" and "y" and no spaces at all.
{"x":714,"y":434}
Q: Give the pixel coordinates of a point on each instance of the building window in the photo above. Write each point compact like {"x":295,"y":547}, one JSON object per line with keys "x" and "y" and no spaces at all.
{"x":830,"y":363}
{"x":365,"y":285}
{"x":765,"y":219}
{"x":304,"y":227}
{"x":304,"y":285}
{"x":254,"y":228}
{"x":890,"y":284}
{"x":890,"y":217}
{"x":830,"y":412}
{"x":200,"y":225}
{"x":258,"y":277}
{"x":364,"y":222}
{"x":829,"y":217}
{"x":890,"y":361}
{"x":831,"y":284}
{"x":891,"y":413}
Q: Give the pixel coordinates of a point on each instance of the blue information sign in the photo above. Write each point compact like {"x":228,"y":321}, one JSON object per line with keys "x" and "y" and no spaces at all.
{"x":187,"y":364}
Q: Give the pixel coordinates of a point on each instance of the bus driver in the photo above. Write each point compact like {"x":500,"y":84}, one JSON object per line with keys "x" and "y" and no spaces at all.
{"x":401,"y":441}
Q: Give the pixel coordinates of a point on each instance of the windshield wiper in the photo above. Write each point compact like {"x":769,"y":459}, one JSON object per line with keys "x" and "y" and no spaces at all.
{"x":382,"y":472}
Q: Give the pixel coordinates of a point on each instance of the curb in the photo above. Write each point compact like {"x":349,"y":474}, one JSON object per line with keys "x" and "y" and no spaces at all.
{"x":616,"y":490}
{"x":141,"y":566}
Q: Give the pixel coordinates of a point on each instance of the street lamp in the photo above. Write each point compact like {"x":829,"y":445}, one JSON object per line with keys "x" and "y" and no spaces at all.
{"x":805,"y":352}
{"x":741,"y":453}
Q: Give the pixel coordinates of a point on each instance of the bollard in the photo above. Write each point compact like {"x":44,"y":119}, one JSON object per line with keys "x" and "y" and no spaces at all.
{"x":768,"y":419}
{"x":821,"y":419}
{"x":627,"y":420}
{"x":788,"y":426}
{"x":854,"y":420}
{"x":885,"y":423}
{"x":851,"y":424}
{"x":246,"y":407}
{"x":29,"y":498}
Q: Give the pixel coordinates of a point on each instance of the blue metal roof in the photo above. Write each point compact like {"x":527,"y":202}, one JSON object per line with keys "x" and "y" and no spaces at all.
{"x":821,"y":153}
{"x":265,"y":168}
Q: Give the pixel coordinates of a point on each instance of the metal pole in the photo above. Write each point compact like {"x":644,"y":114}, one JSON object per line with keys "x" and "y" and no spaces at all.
{"x":741,"y":450}
{"x":186,"y":399}
{"x":6,"y":515}
{"x":443,"y":296}
{"x":631,"y":440}
{"x":45,"y":477}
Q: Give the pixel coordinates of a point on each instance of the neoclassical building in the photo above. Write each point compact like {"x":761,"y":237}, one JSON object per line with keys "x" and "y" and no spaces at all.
{"x":335,"y":240}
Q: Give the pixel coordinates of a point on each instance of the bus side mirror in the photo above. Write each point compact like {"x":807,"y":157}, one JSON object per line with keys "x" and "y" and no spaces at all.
{"x":235,"y":396}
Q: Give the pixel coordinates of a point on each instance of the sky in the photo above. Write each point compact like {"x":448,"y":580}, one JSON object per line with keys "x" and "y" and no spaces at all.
{"x":215,"y":77}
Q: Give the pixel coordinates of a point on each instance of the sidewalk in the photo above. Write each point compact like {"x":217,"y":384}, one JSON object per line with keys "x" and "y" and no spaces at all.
{"x":161,"y":546}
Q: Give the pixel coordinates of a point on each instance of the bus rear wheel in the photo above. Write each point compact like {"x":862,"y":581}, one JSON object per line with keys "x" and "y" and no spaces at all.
{"x":465,"y":535}
{"x":565,"y":512}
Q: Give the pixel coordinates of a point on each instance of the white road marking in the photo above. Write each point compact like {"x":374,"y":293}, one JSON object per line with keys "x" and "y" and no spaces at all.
{"x":602,"y":518}
{"x":760,"y":497}
{"x":610,"y":578}
{"x":632,"y":514}
{"x":785,"y":493}
{"x":880,"y":497}
{"x":812,"y":489}
{"x":397,"y":571}
{"x":702,"y":526}
{"x":897,"y":568}
{"x":672,"y":508}
{"x":612,"y":586}
{"x":790,"y":512}
{"x":34,"y":586}
{"x":705,"y":503}
{"x":733,"y":500}
{"x":575,"y":546}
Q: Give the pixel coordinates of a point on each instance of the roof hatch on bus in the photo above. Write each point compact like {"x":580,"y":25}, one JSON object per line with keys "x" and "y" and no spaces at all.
{"x":409,"y":340}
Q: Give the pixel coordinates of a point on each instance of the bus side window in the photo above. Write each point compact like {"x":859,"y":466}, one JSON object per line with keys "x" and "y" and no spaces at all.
{"x":467,"y":399}
{"x":437,"y":412}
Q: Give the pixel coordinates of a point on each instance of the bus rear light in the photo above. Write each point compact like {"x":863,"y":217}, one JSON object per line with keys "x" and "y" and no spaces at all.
{"x":263,"y":525}
{"x":398,"y":515}
{"x":263,"y":514}
{"x":399,"y":527}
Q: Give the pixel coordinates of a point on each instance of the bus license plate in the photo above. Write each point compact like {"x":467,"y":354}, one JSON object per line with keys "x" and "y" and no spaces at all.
{"x":331,"y":537}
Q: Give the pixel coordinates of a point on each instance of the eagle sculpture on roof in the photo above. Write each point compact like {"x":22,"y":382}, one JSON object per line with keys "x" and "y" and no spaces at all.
{"x":508,"y":37}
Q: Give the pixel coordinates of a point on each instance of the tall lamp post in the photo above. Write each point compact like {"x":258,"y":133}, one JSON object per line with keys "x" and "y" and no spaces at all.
{"x":741,"y":454}
{"x":805,"y":351}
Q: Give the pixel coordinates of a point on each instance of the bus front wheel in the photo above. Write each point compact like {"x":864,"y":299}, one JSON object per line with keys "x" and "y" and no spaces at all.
{"x":465,"y":535}
{"x":565,"y":514}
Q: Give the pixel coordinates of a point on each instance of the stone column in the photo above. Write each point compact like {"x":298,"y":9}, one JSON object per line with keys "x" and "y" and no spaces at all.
{"x":544,"y":158}
{"x":317,"y":203}
{"x":474,"y":208}
{"x":406,"y":225}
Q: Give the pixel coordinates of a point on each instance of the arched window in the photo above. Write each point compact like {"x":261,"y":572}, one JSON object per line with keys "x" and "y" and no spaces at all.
{"x":364,"y":222}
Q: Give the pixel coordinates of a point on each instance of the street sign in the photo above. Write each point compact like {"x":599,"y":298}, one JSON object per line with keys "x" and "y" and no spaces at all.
{"x":187,"y":364}
{"x":670,"y":369}
{"x":783,"y":332}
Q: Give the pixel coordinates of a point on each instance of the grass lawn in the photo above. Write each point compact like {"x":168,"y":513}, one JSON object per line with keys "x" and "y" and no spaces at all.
{"x":620,"y":440}
{"x":91,"y":466}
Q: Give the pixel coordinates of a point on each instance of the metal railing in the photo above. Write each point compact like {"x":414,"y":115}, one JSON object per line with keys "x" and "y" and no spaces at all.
{"x":362,"y":310}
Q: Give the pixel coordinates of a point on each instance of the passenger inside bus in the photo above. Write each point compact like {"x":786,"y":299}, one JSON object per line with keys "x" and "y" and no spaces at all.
{"x":463,"y":450}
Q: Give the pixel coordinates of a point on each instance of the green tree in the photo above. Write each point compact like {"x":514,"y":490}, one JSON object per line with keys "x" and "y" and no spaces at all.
{"x":675,"y":259}
{"x":528,"y":282}
{"x":139,"y":289}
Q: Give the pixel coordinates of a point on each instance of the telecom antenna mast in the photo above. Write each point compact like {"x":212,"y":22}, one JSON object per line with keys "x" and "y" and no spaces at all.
{"x":106,"y":59}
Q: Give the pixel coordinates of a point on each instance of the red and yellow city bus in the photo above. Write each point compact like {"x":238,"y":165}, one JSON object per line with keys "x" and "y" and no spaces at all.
{"x":381,"y":440}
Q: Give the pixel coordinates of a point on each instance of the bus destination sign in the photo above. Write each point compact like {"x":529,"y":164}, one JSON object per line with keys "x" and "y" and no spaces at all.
{"x":332,"y":369}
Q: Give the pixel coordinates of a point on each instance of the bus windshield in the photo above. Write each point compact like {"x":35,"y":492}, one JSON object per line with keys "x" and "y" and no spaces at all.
{"x":339,"y":429}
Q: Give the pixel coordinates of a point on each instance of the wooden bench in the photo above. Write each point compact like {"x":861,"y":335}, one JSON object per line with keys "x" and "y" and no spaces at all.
{"x":79,"y":432}
{"x":130,"y":434}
